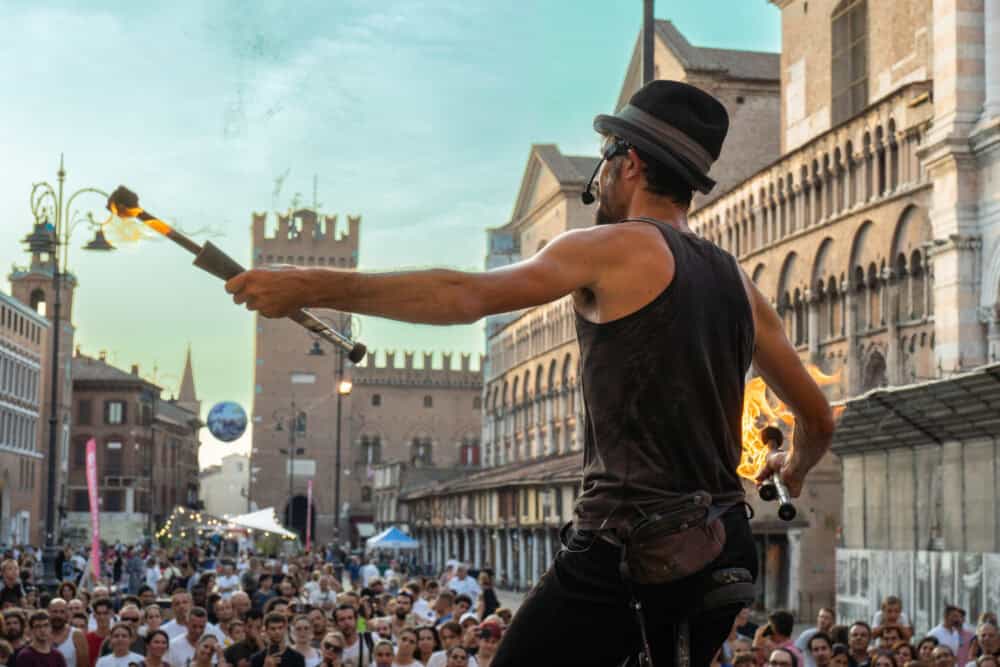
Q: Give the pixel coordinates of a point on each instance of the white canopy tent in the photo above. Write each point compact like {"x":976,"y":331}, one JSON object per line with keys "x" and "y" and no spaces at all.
{"x":265,"y":520}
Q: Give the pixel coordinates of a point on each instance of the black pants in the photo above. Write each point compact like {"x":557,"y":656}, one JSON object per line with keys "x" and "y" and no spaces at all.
{"x":578,"y":613}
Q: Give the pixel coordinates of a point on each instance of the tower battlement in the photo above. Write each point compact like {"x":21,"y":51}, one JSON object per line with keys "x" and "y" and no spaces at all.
{"x":304,"y":237}
{"x":435,"y":368}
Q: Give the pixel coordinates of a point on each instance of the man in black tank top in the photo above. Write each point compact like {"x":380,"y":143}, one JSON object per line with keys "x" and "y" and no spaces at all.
{"x":668,"y":326}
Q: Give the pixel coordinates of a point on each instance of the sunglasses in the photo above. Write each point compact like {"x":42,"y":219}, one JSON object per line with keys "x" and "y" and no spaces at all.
{"x":336,"y":648}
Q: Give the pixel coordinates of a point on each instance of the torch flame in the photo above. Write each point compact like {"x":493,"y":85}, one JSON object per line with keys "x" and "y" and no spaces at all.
{"x":759,"y":410}
{"x":126,"y":226}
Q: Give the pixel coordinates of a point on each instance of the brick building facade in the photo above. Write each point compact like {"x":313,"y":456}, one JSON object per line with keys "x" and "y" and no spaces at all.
{"x":147,"y":450}
{"x":23,"y":436}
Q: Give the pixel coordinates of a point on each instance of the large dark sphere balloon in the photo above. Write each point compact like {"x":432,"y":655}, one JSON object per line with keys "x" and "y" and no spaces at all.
{"x":227,"y":421}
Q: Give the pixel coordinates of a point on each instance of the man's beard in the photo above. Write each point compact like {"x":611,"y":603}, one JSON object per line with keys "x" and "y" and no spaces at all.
{"x":604,"y":215}
{"x":11,"y":637}
{"x":401,"y":614}
{"x":57,"y":623}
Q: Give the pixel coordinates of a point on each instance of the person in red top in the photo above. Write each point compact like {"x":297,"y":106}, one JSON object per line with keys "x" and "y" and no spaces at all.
{"x":102,"y":614}
{"x":40,"y":652}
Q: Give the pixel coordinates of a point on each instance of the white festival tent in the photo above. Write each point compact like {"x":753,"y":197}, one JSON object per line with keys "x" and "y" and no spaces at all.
{"x":265,"y":520}
{"x":391,"y":538}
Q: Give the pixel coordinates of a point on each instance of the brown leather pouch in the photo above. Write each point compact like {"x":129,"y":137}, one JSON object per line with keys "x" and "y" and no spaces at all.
{"x":674,"y":543}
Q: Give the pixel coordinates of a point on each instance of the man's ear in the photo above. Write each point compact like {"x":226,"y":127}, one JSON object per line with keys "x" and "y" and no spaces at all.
{"x":633,"y":164}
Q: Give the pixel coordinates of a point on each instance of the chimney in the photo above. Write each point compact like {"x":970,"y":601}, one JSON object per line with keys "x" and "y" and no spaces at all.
{"x":102,"y":355}
{"x":409,"y":359}
{"x":428,"y":361}
{"x":135,"y":369}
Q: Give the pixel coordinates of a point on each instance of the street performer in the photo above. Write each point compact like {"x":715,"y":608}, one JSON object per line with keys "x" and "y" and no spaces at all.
{"x":659,"y":558}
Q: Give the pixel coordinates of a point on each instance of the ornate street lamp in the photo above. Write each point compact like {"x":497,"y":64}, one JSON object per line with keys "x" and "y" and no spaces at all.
{"x":47,"y":203}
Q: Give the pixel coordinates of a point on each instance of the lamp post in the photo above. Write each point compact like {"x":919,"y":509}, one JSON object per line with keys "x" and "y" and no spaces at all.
{"x":344,"y":388}
{"x":47,"y":202}
{"x":296,"y":424}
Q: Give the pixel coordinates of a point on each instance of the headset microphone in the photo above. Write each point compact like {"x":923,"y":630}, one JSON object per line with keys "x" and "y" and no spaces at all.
{"x":587,"y":197}
{"x":619,"y":147}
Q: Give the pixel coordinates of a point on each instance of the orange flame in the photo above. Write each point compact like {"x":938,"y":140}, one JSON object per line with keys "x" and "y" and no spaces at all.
{"x":760,"y":410}
{"x":124,"y":226}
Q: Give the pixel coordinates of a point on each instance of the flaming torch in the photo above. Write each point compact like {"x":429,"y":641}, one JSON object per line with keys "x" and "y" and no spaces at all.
{"x":124,"y":203}
{"x":774,"y":488}
{"x":762,"y":434}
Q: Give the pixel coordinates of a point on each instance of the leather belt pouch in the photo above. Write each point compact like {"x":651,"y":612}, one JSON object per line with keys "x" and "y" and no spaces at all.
{"x":674,"y":543}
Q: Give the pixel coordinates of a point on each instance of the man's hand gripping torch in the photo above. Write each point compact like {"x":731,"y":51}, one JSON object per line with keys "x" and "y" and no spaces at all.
{"x":774,"y":488}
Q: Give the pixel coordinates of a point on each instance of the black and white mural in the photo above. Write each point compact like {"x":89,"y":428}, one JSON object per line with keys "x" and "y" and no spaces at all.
{"x":926,"y":581}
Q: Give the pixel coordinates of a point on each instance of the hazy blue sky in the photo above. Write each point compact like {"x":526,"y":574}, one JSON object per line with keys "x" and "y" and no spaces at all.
{"x":416,"y":115}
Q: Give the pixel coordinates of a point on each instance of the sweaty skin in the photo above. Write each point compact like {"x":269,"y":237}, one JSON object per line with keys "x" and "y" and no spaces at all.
{"x":596,"y":265}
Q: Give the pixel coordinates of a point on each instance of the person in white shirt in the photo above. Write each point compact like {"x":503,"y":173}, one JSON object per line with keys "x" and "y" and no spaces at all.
{"x":369,"y":572}
{"x":952,"y":634}
{"x":323,"y":596}
{"x":825,"y":620}
{"x":183,"y":647}
{"x":228,"y":582}
{"x":120,"y":656}
{"x":180,"y":605}
{"x":462,"y":583}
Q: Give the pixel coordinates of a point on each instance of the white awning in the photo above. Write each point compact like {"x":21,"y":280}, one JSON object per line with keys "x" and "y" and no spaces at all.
{"x":264,"y":520}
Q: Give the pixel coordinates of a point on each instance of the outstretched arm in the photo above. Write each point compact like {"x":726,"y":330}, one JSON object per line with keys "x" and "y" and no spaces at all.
{"x":573,"y":260}
{"x":779,"y":364}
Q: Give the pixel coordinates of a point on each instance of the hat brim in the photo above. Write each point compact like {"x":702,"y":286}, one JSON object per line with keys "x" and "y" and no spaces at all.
{"x":641,"y":139}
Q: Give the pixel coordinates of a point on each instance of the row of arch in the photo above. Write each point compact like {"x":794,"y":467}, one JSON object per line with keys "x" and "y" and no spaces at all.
{"x":550,"y":327}
{"x":835,"y":180}
{"x":871,"y":288}
{"x":522,"y":388}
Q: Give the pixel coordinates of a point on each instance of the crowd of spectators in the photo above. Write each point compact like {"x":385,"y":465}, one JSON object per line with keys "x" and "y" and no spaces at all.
{"x":194,"y":608}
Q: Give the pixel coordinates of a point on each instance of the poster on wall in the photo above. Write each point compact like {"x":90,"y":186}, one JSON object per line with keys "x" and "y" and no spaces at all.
{"x":926,"y":581}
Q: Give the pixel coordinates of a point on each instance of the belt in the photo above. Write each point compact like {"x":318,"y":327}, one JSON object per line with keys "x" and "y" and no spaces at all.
{"x":609,"y":537}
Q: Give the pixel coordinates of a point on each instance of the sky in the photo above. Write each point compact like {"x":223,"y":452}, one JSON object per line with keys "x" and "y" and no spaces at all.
{"x":416,"y":115}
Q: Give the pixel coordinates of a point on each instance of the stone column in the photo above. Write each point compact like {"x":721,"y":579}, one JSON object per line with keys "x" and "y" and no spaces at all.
{"x":498,"y":565}
{"x":508,"y":536}
{"x":537,"y":556}
{"x":548,"y":537}
{"x":851,"y":325}
{"x":522,"y":558}
{"x":812,"y":303}
{"x":992,"y":317}
{"x":478,"y":558}
{"x":794,"y":568}
{"x":991,"y":16}
{"x":466,"y":546}
{"x":762,"y":222}
{"x":891,"y":295}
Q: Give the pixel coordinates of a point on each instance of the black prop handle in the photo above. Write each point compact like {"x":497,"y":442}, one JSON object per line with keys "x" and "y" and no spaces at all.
{"x":215,"y":261}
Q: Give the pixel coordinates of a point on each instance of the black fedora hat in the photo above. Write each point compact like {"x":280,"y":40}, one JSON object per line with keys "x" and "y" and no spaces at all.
{"x":675,"y":124}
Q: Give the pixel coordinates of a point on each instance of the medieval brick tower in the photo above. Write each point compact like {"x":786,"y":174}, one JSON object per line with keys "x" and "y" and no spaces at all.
{"x":290,"y":380}
{"x":32,"y":285}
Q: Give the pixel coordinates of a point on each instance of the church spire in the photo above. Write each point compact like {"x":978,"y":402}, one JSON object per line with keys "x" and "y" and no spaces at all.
{"x":187,"y":393}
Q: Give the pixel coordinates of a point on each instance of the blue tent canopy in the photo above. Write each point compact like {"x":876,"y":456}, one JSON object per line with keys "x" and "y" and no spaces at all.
{"x":391,"y":538}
